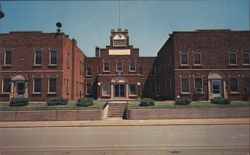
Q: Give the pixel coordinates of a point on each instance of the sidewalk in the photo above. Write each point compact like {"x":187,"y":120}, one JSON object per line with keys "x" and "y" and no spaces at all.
{"x":119,"y":122}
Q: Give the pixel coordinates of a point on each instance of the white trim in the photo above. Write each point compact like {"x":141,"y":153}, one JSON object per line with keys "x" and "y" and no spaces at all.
{"x":245,"y":64}
{"x":184,"y":52}
{"x":49,"y":92}
{"x":238,"y":85}
{"x":86,"y":89}
{"x":130,"y":66}
{"x":103,"y":66}
{"x":35,"y":64}
{"x":8,"y":50}
{"x":136,"y":89}
{"x":236,"y":62}
{"x":33,"y":91}
{"x":202,"y":92}
{"x":194,"y":64}
{"x":86,"y":72}
{"x":53,"y":49}
{"x":182,"y":92}
{"x":117,"y":66}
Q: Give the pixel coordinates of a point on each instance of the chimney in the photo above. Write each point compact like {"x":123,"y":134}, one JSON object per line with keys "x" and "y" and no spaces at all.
{"x":97,"y":51}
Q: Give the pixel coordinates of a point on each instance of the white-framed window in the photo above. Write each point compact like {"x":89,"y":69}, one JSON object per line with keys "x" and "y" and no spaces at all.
{"x":8,"y":58}
{"x":246,"y":58}
{"x":106,"y":89}
{"x":198,"y":85}
{"x":38,"y":57}
{"x":132,"y":89}
{"x":153,"y":71}
{"x":37,"y":85}
{"x":52,"y":85}
{"x":106,"y":65}
{"x":184,"y":58}
{"x":234,"y":84}
{"x":119,"y":40}
{"x":119,"y":65}
{"x":197,"y":58}
{"x":88,"y":88}
{"x":232,"y":58}
{"x":247,"y":85}
{"x":53,"y":57}
{"x":185,"y":85}
{"x":6,"y":85}
{"x":88,"y":72}
{"x":132,"y":65}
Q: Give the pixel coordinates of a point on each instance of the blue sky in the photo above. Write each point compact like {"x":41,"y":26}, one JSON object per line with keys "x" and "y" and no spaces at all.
{"x":148,"y":22}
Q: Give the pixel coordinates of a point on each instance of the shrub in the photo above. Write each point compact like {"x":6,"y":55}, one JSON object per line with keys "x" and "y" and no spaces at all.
{"x":85,"y":102}
{"x":220,"y":100}
{"x":182,"y":101}
{"x":57,"y":101}
{"x":147,"y":102}
{"x":19,"y":101}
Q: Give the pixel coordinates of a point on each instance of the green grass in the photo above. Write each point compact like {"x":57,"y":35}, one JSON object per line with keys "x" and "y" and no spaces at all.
{"x":43,"y":106}
{"x":194,"y":104}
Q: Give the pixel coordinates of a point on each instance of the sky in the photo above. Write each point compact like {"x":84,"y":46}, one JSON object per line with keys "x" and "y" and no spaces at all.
{"x":149,"y":22}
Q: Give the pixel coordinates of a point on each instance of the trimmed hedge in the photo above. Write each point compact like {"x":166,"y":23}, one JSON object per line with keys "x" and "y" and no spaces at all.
{"x":146,"y":102}
{"x":19,"y":101}
{"x":85,"y":102}
{"x":57,"y":101}
{"x":220,"y":100}
{"x":182,"y":102}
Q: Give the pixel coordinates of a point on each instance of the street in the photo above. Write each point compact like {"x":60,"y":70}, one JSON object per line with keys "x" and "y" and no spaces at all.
{"x":127,"y":140}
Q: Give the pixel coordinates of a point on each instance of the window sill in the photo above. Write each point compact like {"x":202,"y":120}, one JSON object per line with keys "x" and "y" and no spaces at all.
{"x":37,"y":65}
{"x":245,"y":64}
{"x":235,"y":93}
{"x":88,"y":76}
{"x":106,"y":71}
{"x":7,"y":65}
{"x":184,"y":65}
{"x":185,"y":93}
{"x":52,"y":65}
{"x":133,"y":95}
{"x":132,"y":71}
{"x":36,"y":93}
{"x":233,"y":65}
{"x":51,"y":93}
{"x":105,"y":95}
{"x":5,"y":93}
{"x":199,"y":93}
{"x":197,"y":65}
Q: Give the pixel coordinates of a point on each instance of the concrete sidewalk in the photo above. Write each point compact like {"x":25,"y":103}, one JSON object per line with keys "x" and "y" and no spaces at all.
{"x":119,"y":122}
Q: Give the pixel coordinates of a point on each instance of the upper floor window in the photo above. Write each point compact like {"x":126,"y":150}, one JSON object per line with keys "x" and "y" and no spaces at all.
{"x":246,"y":58}
{"x":88,"y":71}
{"x":37,"y":85}
{"x":8,"y":58}
{"x":232,"y":58}
{"x":38,"y":57}
{"x":119,"y":40}
{"x":153,"y":71}
{"x":185,"y":85}
{"x":53,"y":57}
{"x":119,"y":65}
{"x":141,"y":70}
{"x":6,"y":85}
{"x":234,"y":84}
{"x":105,"y":66}
{"x":184,"y":58}
{"x":197,"y":58}
{"x":132,"y":65}
{"x":68,"y":60}
{"x":52,"y":85}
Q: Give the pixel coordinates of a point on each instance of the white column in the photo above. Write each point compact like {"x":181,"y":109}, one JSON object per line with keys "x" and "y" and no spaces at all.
{"x":112,"y":90}
{"x":126,"y":90}
{"x":209,"y":90}
{"x":224,"y":89}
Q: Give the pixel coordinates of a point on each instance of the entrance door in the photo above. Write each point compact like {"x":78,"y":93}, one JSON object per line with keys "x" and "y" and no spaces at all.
{"x":119,"y":90}
{"x":20,"y":88}
{"x":217,"y":88}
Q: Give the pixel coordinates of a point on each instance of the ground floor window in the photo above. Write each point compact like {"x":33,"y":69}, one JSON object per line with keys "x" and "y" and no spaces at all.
{"x":37,"y":83}
{"x":132,"y":89}
{"x":6,"y":85}
{"x":52,"y":85}
{"x":198,"y":85}
{"x":88,"y":88}
{"x":247,"y":85}
{"x":185,"y":85}
{"x":106,"y":89}
{"x":234,"y":84}
{"x":153,"y":88}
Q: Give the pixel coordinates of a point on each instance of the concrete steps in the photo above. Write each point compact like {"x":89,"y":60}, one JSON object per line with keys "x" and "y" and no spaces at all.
{"x":116,"y":108}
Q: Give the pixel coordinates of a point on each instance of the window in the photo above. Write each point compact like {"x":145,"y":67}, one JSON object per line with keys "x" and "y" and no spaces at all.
{"x":6,"y":85}
{"x":119,"y":65}
{"x":197,"y":58}
{"x":105,"y":66}
{"x":106,"y":89}
{"x":132,"y":65}
{"x":185,"y":85}
{"x":141,"y":70}
{"x":184,"y":58}
{"x":132,"y":89}
{"x":232,"y":59}
{"x":88,"y":71}
{"x":153,"y":88}
{"x":37,"y":83}
{"x":119,"y":40}
{"x":88,"y":88}
{"x":68,"y":60}
{"x":247,"y":85}
{"x":153,"y":71}
{"x":53,"y":57}
{"x":38,"y":57}
{"x":8,"y":58}
{"x":234,"y":84}
{"x":52,"y":85}
{"x":67,"y":86}
{"x":198,"y":85}
{"x":246,"y":58}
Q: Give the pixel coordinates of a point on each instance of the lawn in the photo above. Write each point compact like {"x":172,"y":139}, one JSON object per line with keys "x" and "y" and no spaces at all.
{"x":193,"y":104}
{"x":43,"y":106}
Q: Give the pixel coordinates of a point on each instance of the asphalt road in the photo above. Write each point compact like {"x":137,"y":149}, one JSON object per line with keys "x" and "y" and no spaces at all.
{"x":127,"y":140}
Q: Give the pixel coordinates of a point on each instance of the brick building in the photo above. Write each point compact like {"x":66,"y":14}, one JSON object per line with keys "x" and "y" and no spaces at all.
{"x":204,"y":64}
{"x":198,"y":65}
{"x":40,"y":66}
{"x":118,"y":72}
